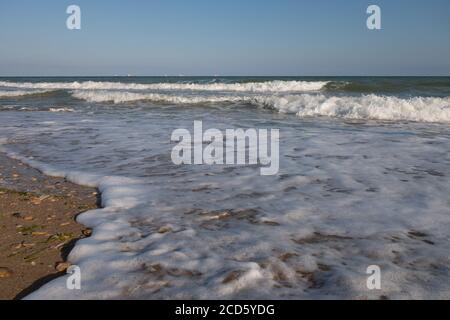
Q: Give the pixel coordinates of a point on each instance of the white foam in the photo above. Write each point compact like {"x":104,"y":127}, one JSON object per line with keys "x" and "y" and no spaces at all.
{"x":268,"y":86}
{"x":63,"y":109}
{"x":376,"y":107}
{"x":124,"y":96}
{"x":345,"y":199}
{"x":372,"y":106}
{"x":19,"y":93}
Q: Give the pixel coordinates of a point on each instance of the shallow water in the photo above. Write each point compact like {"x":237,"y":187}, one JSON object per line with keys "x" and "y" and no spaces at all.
{"x":359,"y":184}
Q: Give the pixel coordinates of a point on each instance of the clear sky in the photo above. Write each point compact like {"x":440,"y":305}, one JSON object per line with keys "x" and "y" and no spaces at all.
{"x":225,"y":37}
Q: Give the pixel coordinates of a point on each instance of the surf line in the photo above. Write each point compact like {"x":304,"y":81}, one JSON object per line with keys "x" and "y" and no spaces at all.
{"x":232,"y":147}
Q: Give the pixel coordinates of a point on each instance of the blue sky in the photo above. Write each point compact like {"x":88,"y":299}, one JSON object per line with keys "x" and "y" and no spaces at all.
{"x":232,"y":37}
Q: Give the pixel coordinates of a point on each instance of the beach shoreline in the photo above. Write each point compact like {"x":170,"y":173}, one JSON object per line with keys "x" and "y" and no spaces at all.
{"x":38,"y":226}
{"x":363,"y":181}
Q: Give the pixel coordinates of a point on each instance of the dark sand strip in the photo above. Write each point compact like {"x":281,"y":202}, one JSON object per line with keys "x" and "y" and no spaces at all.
{"x":37,"y":226}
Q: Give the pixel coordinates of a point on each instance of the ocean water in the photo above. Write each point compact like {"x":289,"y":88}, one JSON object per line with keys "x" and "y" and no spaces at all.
{"x":364,"y":180}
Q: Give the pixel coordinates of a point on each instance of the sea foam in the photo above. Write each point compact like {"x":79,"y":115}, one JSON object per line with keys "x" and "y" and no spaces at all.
{"x":268,"y":86}
{"x":20,"y":93}
{"x":375,"y":107}
{"x":348,"y":196}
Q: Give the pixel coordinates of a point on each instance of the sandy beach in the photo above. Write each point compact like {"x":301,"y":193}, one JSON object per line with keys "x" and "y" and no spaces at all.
{"x":38,"y":227}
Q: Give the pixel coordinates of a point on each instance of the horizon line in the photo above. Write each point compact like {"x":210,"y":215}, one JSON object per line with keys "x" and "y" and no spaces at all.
{"x":216,"y":76}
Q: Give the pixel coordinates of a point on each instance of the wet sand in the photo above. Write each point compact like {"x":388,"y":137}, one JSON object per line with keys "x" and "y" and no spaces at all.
{"x":37,"y":226}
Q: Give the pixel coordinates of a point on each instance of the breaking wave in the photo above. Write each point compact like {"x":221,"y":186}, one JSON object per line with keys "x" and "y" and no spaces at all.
{"x":124,"y":96}
{"x":21,"y":93}
{"x":268,"y":86}
{"x":304,"y":98}
{"x":377,"y":107}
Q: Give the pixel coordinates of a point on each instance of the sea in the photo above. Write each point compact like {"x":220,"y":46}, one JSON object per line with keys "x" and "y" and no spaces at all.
{"x":363,"y":185}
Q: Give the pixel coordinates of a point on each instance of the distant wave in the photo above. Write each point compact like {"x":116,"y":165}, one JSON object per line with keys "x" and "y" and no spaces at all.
{"x":304,"y":98}
{"x":62,"y":109}
{"x":389,"y":85}
{"x":377,"y":107}
{"x":20,"y":93}
{"x":35,"y":109}
{"x":124,"y":96}
{"x":268,"y":86}
{"x":281,"y":86}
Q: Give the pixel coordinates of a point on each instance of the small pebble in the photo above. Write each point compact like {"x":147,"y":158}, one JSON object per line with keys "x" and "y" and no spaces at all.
{"x":42,"y":198}
{"x":5,"y":272}
{"x":164,"y":229}
{"x":62,"y":266}
{"x":39,"y":234}
{"x":87,"y":232}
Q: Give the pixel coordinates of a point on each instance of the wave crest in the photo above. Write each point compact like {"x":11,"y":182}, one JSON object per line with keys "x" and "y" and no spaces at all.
{"x":21,"y":93}
{"x":124,"y":96}
{"x":372,"y":106}
{"x":420,"y":109}
{"x":268,"y":86}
